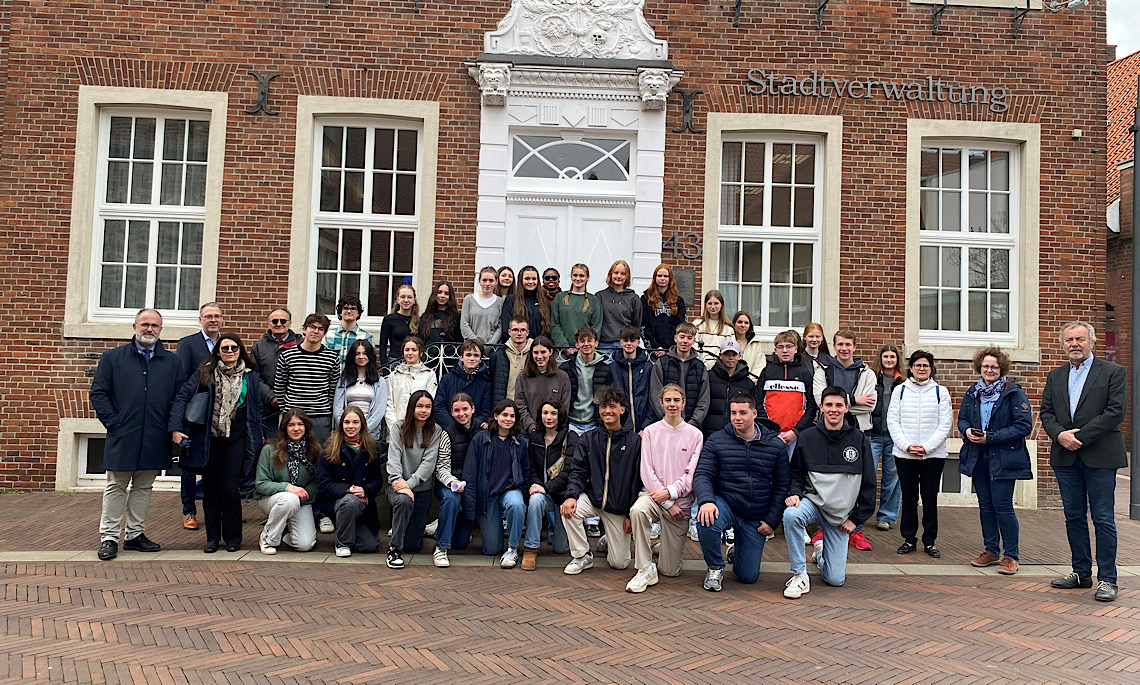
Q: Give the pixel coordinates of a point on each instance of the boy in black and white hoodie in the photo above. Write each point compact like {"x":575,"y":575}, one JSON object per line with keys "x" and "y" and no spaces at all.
{"x":833,"y":484}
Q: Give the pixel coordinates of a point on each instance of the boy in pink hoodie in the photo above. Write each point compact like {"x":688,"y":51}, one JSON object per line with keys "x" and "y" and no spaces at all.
{"x":669,"y":452}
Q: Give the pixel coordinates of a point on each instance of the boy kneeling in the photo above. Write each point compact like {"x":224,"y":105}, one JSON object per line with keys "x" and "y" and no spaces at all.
{"x":833,"y":484}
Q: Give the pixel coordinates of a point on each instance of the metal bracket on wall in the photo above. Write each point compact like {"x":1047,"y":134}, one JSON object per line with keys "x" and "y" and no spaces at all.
{"x":262,"y":103}
{"x":687,"y":111}
{"x":416,"y":6}
{"x":1019,"y":15}
{"x":820,"y":6}
{"x":936,"y":17}
{"x":736,"y":14}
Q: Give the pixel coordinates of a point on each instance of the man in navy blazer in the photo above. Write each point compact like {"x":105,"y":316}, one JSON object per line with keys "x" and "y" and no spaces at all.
{"x":1081,"y":409}
{"x":191,"y":351}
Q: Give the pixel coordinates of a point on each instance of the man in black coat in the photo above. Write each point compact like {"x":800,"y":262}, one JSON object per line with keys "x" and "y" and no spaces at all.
{"x":192,"y":349}
{"x":1081,"y":409}
{"x":131,"y":393}
{"x":264,"y":354}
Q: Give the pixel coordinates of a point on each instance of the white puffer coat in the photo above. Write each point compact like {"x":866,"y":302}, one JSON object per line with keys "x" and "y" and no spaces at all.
{"x":402,"y":382}
{"x":919,"y":415}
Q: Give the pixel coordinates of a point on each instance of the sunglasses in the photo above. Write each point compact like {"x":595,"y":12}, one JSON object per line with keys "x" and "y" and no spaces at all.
{"x":229,"y":348}
{"x":279,"y":322}
{"x":550,"y":278}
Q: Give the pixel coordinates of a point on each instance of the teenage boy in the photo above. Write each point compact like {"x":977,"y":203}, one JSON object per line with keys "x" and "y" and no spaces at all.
{"x":471,"y":376}
{"x":741,"y":481}
{"x":605,"y":479}
{"x":453,"y":529}
{"x":784,"y":392}
{"x":679,"y":365}
{"x":861,"y":385}
{"x":632,"y":370}
{"x":348,"y":310}
{"x":508,"y":360}
{"x":669,"y":452}
{"x":833,"y":484}
{"x":588,"y":372}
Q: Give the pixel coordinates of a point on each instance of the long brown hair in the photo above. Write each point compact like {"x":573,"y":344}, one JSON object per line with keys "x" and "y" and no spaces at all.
{"x":493,"y":422}
{"x":450,"y":310}
{"x":504,"y":290}
{"x":900,"y":363}
{"x":336,"y":440}
{"x":722,"y":320}
{"x":280,"y":442}
{"x":206,"y":368}
{"x":540,"y":297}
{"x":654,"y":296}
{"x":414,"y":320}
{"x":408,"y":429}
{"x":530,"y":367}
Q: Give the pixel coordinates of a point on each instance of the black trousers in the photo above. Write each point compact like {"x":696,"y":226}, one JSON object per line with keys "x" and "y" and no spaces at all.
{"x":919,"y":477}
{"x":221,"y":502}
{"x":409,"y":516}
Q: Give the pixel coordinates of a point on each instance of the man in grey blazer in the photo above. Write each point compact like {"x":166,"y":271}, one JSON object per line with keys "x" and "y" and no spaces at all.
{"x":1081,"y":410}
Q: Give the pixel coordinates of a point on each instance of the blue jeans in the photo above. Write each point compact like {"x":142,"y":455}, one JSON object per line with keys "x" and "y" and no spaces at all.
{"x":191,"y":491}
{"x":995,"y":507}
{"x":833,"y":558}
{"x":890,"y":493}
{"x":536,"y":511}
{"x":749,"y":543}
{"x":1085,"y":489}
{"x":453,"y":530}
{"x":511,"y":504}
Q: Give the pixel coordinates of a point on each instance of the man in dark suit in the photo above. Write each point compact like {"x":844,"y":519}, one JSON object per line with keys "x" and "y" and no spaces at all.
{"x":1081,"y":410}
{"x":191,"y":351}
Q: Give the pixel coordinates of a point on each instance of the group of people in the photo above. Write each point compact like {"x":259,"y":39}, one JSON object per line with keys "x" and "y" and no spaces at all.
{"x":653,"y":429}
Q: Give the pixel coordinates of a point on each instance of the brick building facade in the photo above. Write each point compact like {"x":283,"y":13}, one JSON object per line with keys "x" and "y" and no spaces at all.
{"x":828,"y":172}
{"x":1122,"y":74}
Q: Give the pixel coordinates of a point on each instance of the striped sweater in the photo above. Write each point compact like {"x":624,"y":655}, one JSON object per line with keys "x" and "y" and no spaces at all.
{"x":307,"y":380}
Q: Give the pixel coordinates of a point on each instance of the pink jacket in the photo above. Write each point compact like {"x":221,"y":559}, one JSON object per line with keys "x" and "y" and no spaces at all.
{"x":668,"y":459}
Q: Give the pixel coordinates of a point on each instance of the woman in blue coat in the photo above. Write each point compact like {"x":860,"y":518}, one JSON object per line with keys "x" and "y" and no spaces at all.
{"x":994,"y":421}
{"x":228,"y":440}
{"x":497,"y":470}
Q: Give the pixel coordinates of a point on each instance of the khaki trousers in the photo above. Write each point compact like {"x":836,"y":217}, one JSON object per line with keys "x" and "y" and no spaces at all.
{"x":643,"y":515}
{"x":618,"y":555}
{"x":129,"y":492}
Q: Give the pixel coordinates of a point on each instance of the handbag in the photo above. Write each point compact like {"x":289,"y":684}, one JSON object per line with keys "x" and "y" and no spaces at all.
{"x":196,"y":409}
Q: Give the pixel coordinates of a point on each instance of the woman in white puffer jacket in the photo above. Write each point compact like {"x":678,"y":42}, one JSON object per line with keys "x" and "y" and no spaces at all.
{"x":919,"y":418}
{"x":407,"y":377}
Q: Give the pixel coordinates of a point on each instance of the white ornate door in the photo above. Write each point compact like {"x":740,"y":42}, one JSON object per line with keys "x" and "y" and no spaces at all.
{"x":561,"y":235}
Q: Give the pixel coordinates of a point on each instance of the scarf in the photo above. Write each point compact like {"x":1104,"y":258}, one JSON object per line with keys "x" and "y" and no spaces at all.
{"x":227,"y":394}
{"x":298,"y":457}
{"x":989,"y":393}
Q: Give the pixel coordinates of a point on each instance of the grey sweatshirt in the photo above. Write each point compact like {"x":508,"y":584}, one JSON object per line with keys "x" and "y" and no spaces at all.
{"x":484,"y":323}
{"x":618,"y":310}
{"x":416,"y":464}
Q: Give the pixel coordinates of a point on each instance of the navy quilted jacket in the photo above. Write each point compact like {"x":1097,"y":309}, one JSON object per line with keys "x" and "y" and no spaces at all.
{"x":752,"y":477}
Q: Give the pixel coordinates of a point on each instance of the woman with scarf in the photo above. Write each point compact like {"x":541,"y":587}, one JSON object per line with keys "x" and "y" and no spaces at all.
{"x":286,"y":485}
{"x":350,"y":477}
{"x":228,"y":438}
{"x":994,"y":420}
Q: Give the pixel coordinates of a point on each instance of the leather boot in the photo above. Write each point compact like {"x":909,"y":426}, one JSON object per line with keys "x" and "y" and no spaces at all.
{"x":530,"y":556}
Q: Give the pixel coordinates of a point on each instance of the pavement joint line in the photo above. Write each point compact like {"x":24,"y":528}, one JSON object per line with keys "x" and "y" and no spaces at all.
{"x":471,"y":560}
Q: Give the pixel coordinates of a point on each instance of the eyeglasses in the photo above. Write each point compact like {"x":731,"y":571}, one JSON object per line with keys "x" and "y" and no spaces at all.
{"x":988,"y":367}
{"x":229,"y":348}
{"x":314,"y":327}
{"x":279,"y":322}
{"x":519,"y":330}
{"x":920,"y":366}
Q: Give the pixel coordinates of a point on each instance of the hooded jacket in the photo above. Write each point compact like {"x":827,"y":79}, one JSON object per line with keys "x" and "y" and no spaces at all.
{"x":477,"y":471}
{"x":502,"y":360}
{"x":402,"y":382}
{"x":691,"y":374}
{"x":475,"y":383}
{"x":607,"y":469}
{"x":723,"y":388}
{"x":751,"y":476}
{"x":856,"y":379}
{"x":543,"y":457}
{"x":619,"y":309}
{"x":920,"y":415}
{"x":835,"y":470}
{"x":785,"y":394}
{"x":1011,"y":422}
{"x":633,"y":376}
{"x":602,"y":376}
{"x":660,"y":325}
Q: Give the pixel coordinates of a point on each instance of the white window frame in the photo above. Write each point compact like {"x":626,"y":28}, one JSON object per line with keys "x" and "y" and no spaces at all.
{"x":1021,"y":343}
{"x":312,"y":112}
{"x":567,"y":186}
{"x":964,"y":239}
{"x":365,"y":221}
{"x":82,"y":316}
{"x":768,"y":234}
{"x":826,"y":132}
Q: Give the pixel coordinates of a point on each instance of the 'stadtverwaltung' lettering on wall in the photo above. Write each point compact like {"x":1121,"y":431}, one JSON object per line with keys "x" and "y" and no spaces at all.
{"x":818,"y":84}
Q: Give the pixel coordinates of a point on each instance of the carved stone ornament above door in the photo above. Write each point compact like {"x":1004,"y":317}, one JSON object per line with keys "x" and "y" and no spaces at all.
{"x":600,"y":29}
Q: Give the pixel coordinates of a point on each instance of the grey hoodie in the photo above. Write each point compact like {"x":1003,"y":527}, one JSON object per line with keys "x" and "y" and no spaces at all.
{"x":416,"y":464}
{"x":618,"y":310}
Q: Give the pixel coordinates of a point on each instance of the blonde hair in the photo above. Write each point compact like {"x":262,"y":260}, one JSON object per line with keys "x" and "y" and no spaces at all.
{"x":414,"y":323}
{"x":585,"y":300}
{"x":721,"y":321}
{"x":628,"y":273}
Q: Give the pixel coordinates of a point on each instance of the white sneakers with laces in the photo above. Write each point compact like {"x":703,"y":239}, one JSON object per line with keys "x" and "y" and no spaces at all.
{"x":510,"y":558}
{"x":644,"y":578}
{"x":797,"y":586}
{"x":579,"y":564}
{"x":326,"y":525}
{"x":439,"y":558}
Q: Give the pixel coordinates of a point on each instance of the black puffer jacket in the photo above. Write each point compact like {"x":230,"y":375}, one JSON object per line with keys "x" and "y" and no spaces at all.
{"x":885,"y":389}
{"x":751,"y":477}
{"x":543,"y":456}
{"x":460,"y":442}
{"x":622,"y":463}
{"x":723,"y":388}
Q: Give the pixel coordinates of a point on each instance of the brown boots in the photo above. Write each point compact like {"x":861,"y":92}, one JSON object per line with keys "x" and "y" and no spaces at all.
{"x":530,"y":556}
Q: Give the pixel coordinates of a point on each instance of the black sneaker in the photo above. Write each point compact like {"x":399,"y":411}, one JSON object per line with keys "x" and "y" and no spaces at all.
{"x":1071,"y":582}
{"x":394,"y":559}
{"x":593,"y":530}
{"x":108,"y":550}
{"x":141,"y":544}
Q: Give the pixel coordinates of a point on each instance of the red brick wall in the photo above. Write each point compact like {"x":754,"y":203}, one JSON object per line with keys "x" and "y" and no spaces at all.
{"x":379,"y":48}
{"x":1119,"y":279}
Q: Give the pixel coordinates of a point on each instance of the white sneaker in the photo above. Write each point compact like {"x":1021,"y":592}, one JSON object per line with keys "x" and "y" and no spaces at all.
{"x":510,"y":558}
{"x":429,"y":529}
{"x":602,"y":546}
{"x":326,"y":525}
{"x":439,"y":558}
{"x":818,"y":551}
{"x":266,"y":548}
{"x":807,"y":539}
{"x":644,"y":578}
{"x":656,"y":549}
{"x":797,"y":586}
{"x":655,"y":530}
{"x":343,"y":551}
{"x":579,"y":564}
{"x":693,"y":531}
{"x":883,"y":525}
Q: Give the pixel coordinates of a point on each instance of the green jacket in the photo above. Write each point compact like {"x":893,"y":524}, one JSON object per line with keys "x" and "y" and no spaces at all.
{"x":566,"y":318}
{"x":272,"y":480}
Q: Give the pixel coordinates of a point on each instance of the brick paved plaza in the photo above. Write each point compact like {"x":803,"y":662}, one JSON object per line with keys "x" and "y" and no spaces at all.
{"x":183,"y":617}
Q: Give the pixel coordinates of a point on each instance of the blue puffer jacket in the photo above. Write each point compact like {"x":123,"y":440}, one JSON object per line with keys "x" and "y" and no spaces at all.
{"x":1010,"y":423}
{"x":637,"y":399}
{"x":457,"y":380}
{"x":752,"y":477}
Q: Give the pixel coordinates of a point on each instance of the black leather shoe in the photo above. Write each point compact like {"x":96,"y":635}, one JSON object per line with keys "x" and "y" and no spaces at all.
{"x":1071,"y":582}
{"x":933,"y":552}
{"x":233,"y":546}
{"x":1105,"y":591}
{"x":211,"y":547}
{"x":141,"y":544}
{"x":108,"y":550}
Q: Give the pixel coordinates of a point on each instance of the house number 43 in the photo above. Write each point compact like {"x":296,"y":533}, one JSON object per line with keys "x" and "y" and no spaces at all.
{"x":687,"y":245}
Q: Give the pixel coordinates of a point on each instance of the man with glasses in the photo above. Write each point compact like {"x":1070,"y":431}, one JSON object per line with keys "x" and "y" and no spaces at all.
{"x":191,"y":351}
{"x":131,"y":393}
{"x":507,"y":361}
{"x":348,"y":310}
{"x":783,"y":391}
{"x":264,"y":353}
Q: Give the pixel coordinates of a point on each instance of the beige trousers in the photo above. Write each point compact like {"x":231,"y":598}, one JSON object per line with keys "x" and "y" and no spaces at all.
{"x":618,"y":555}
{"x":673,"y":533}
